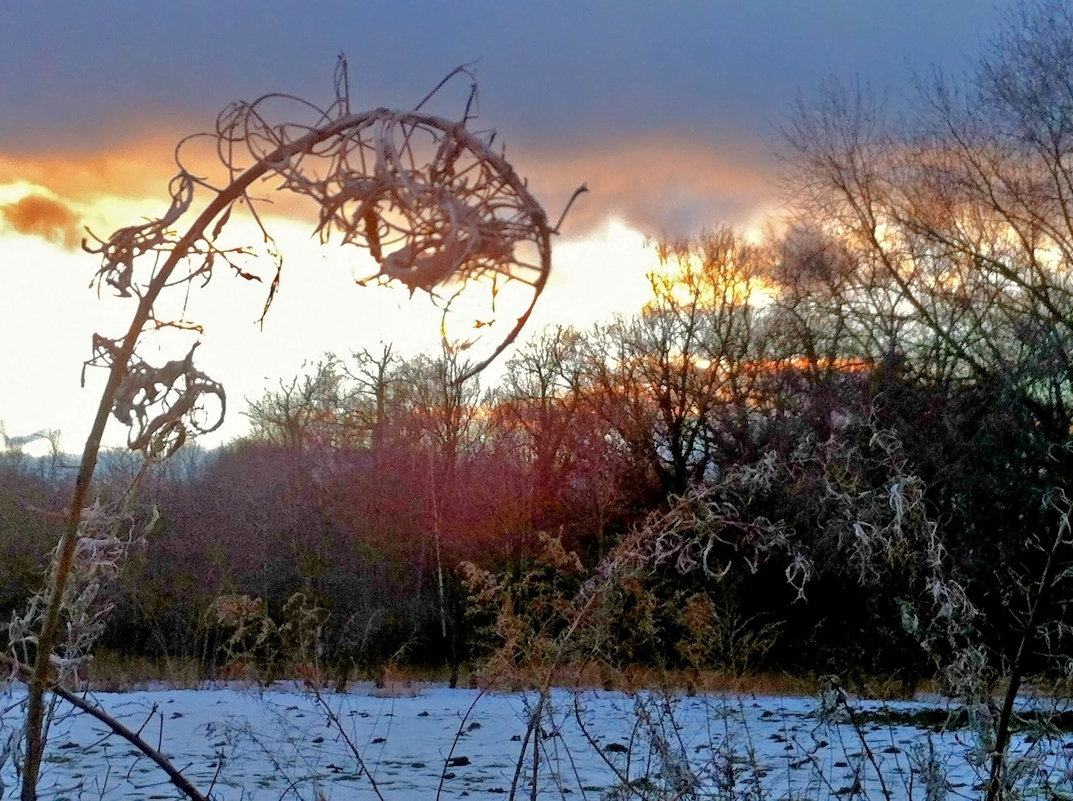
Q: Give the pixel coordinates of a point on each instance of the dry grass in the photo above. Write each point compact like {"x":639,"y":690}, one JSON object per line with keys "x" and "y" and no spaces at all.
{"x":635,"y":678}
{"x":397,"y":681}
{"x":108,"y":672}
{"x":111,"y":673}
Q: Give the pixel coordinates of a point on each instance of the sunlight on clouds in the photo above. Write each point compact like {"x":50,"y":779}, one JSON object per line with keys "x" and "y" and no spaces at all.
{"x":133,"y":168}
{"x":15,"y":191}
{"x":662,"y":185}
{"x":52,"y":314}
{"x":600,"y":268}
{"x":597,"y":276}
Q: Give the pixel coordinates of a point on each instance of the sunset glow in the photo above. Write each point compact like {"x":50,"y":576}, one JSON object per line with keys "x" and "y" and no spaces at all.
{"x":88,"y":142}
{"x":319,"y":307}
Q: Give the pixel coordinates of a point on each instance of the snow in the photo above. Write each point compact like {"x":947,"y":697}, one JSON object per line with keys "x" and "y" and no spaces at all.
{"x":282,"y":742}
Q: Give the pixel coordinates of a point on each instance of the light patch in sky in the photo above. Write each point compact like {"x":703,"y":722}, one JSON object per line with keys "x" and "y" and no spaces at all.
{"x":50,"y":314}
{"x":596,"y":277}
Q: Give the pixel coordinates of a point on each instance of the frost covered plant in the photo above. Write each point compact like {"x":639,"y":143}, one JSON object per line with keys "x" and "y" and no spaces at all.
{"x":303,"y":624}
{"x":833,"y":701}
{"x":672,"y":761}
{"x":929,"y":768}
{"x":106,"y":533}
{"x":526,"y":621}
{"x":254,"y":638}
{"x":436,"y":206}
{"x":725,"y":525}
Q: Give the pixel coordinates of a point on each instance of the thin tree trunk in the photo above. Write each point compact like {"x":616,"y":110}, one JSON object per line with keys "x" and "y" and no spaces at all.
{"x":995,"y":785}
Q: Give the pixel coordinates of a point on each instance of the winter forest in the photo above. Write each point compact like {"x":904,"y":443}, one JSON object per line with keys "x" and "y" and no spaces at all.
{"x":837,"y":456}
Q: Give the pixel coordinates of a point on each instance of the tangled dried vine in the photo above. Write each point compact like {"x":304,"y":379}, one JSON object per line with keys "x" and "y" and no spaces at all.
{"x":434,"y":204}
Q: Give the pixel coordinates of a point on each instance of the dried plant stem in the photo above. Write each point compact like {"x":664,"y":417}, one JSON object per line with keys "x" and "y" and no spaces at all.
{"x":858,"y":730}
{"x":533,"y":790}
{"x":531,"y":731}
{"x":49,"y":634}
{"x":337,"y":724}
{"x":121,"y":354}
{"x":454,"y":743}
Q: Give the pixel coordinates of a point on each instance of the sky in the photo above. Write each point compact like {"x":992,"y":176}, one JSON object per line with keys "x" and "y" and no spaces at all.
{"x":670,"y":112}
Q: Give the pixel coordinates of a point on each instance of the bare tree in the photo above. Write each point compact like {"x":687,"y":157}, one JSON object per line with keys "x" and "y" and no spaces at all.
{"x":959,"y":221}
{"x":537,"y":410}
{"x":304,"y":411}
{"x":439,"y":410}
{"x":374,"y":375}
{"x":674,"y":382}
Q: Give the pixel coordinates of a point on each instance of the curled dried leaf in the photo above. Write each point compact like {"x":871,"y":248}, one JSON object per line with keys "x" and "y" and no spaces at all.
{"x":164,"y":405}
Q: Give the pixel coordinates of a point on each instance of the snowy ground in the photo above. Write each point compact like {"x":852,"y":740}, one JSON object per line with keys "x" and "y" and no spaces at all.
{"x":280,"y":743}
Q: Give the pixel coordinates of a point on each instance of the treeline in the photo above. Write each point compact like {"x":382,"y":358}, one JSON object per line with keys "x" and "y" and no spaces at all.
{"x":367,"y":481}
{"x":845,"y":449}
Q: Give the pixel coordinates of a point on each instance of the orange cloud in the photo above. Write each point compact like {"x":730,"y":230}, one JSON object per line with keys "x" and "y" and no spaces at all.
{"x":128,"y":169}
{"x":35,"y":215}
{"x":659,"y":183}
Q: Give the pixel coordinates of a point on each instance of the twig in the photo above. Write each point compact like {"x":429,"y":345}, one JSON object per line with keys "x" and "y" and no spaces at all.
{"x":534,"y":723}
{"x":623,"y":779}
{"x":579,"y":191}
{"x":454,"y":742}
{"x":174,"y":775}
{"x":868,"y":752}
{"x":461,"y":69}
{"x":536,"y":745}
{"x":338,"y":724}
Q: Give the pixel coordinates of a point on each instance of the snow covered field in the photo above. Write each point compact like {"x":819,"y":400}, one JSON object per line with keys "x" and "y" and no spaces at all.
{"x":283,"y":743}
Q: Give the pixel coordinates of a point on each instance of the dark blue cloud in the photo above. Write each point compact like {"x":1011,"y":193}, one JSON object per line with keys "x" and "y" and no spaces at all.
{"x":548,"y":69}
